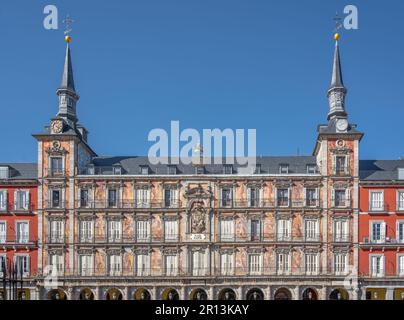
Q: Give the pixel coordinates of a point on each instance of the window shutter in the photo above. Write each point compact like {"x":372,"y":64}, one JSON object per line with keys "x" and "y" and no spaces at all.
{"x":383,"y":231}
{"x":382,"y":265}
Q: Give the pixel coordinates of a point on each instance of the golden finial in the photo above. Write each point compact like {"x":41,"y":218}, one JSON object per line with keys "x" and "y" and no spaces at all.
{"x":68,"y":39}
{"x":68,"y":22}
{"x":336,"y":36}
{"x":338,"y":26}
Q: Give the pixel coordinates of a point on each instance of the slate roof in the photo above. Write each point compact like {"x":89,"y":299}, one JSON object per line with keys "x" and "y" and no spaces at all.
{"x":21,"y":171}
{"x":379,"y":170}
{"x":133,"y":164}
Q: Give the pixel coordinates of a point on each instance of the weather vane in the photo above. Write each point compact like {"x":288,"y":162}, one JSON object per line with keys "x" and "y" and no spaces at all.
{"x":68,"y":28}
{"x":338,"y":26}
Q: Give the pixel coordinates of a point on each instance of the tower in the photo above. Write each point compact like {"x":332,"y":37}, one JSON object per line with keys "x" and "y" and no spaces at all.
{"x":337,"y":156}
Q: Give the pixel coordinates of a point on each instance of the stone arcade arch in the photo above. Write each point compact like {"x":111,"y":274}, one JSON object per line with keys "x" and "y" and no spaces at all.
{"x":198,"y":294}
{"x":339,"y":294}
{"x":283,"y":294}
{"x":170,"y":294}
{"x":309,"y":294}
{"x":56,"y":294}
{"x":227,"y":294}
{"x":113,"y":294}
{"x":255,"y":294}
{"x":142,"y":294}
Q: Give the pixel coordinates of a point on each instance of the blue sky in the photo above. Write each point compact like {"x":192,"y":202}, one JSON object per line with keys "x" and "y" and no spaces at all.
{"x":209,"y":64}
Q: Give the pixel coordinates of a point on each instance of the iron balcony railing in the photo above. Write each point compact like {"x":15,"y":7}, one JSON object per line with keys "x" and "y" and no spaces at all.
{"x":101,"y":237}
{"x":18,"y":239}
{"x":378,"y":206}
{"x":55,"y":204}
{"x":55,"y":172}
{"x":341,"y":171}
{"x":17,"y":207}
{"x":160,"y":271}
{"x":400,"y":206}
{"x":127,"y":204}
{"x":383,"y":241}
{"x":340,"y":203}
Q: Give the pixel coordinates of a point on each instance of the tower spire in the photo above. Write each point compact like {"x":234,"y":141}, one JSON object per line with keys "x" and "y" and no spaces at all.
{"x":337,"y":91}
{"x":67,"y":92}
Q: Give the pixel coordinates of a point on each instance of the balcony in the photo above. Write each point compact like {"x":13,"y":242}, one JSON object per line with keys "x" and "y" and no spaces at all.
{"x":340,"y":203}
{"x":55,"y":205}
{"x":382,"y":241}
{"x":127,"y":204}
{"x":341,"y":238}
{"x":378,"y":208}
{"x":20,"y":240}
{"x":341,"y":171}
{"x":56,"y":238}
{"x":55,"y":173}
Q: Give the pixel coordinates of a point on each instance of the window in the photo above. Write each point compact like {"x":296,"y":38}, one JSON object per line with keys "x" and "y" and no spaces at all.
{"x":400,"y":200}
{"x":377,"y":265}
{"x":56,"y":231}
{"x":117,"y":170}
{"x":340,"y":263}
{"x":253,"y":197}
{"x":112,"y":198}
{"x":83,"y":198}
{"x":3,"y":231}
{"x":311,"y":263}
{"x":311,"y":230}
{"x":86,"y":264}
{"x":3,"y":264}
{"x":114,"y":230}
{"x":142,"y":264}
{"x":282,"y":197}
{"x":227,"y":169}
{"x":4,"y":173}
{"x":170,"y":230}
{"x":56,"y":199}
{"x":340,"y":165}
{"x":21,"y":200}
{"x":255,"y":264}
{"x":21,"y":265}
{"x":340,"y":198}
{"x":171,"y":265}
{"x":226,"y":197}
{"x":376,"y":202}
{"x":170,"y":197}
{"x":56,"y":166}
{"x":227,"y":264}
{"x":378,"y":232}
{"x":400,"y":231}
{"x":86,"y":230}
{"x":198,"y":263}
{"x":144,"y":170}
{"x":258,"y":168}
{"x":199,"y":170}
{"x":311,"y":197}
{"x":341,"y":233}
{"x":172,"y":170}
{"x":283,"y":229}
{"x":3,"y":200}
{"x":311,"y":169}
{"x":400,"y":262}
{"x":284,"y":169}
{"x":143,"y":230}
{"x":22,"y":232}
{"x":142,"y":197}
{"x":283,"y":262}
{"x":255,"y":226}
{"x":115,"y":264}
{"x":226,"y":229}
{"x":90,"y":169}
{"x":56,"y":261}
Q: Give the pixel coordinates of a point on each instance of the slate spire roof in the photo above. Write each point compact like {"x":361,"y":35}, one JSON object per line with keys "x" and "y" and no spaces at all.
{"x":67,"y":78}
{"x":336,"y":79}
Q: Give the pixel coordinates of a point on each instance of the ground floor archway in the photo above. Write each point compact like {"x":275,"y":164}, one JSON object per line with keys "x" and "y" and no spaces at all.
{"x":86,"y":294}
{"x":255,"y":294}
{"x":227,"y":294}
{"x":282,"y":294}
{"x":376,"y":294}
{"x":198,"y":294}
{"x":339,"y":294}
{"x":56,"y":294}
{"x":399,"y":294}
{"x":142,"y":294}
{"x":309,"y":294}
{"x":113,"y":294}
{"x":170,"y":294}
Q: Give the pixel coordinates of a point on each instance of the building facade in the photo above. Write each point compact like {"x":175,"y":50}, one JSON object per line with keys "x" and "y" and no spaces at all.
{"x":18,"y":231}
{"x":381,"y":229}
{"x":123,"y":228}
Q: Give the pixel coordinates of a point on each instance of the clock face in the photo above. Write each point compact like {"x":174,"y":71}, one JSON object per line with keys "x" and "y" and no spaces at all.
{"x":57,"y":126}
{"x":342,"y":125}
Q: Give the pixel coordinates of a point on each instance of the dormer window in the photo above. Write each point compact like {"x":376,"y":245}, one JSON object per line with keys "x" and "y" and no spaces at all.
{"x":400,"y":173}
{"x":311,"y":169}
{"x":144,"y":170}
{"x":284,"y":169}
{"x":90,"y":169}
{"x":172,"y":170}
{"x":257,"y":169}
{"x":227,"y":169}
{"x":4,"y":172}
{"x":117,"y":169}
{"x":199,"y":170}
